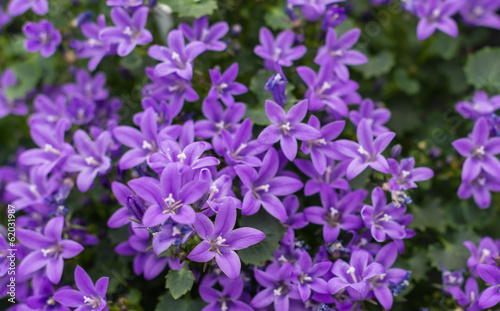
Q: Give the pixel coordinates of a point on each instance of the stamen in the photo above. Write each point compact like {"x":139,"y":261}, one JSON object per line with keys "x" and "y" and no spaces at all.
{"x":351,"y":271}
{"x":181,"y":156}
{"x":49,"y":148}
{"x":405,"y":173}
{"x":386,"y":218}
{"x":127,"y":31}
{"x":147,"y":145}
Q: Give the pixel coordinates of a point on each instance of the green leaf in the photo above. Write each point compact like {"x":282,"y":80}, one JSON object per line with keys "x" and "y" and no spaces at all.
{"x":185,"y":304}
{"x":179,"y":282}
{"x":483,"y":69}
{"x":377,"y":65}
{"x":192,"y":8}
{"x":276,"y":19}
{"x":28,"y":75}
{"x":405,"y":83}
{"x":432,"y":215}
{"x":453,"y":255}
{"x":418,"y":265}
{"x":443,"y":46}
{"x":274,"y":231}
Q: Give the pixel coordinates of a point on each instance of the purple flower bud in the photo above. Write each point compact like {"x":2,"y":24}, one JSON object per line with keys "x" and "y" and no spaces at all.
{"x":334,"y":16}
{"x":396,"y":151}
{"x":84,"y":17}
{"x":135,"y":207}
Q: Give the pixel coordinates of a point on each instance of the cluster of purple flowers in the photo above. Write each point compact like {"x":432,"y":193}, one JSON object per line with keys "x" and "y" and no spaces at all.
{"x":482,"y":264}
{"x":433,"y":14}
{"x":191,"y":177}
{"x":481,"y":168}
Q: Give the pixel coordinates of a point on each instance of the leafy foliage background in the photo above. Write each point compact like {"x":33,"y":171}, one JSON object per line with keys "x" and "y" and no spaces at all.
{"x":419,"y":81}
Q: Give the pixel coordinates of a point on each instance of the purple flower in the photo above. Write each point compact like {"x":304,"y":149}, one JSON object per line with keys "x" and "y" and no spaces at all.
{"x":43,"y":296}
{"x":437,"y":14}
{"x":481,"y":106}
{"x":386,"y":284}
{"x":87,"y":86}
{"x":277,"y":86}
{"x":307,"y":276}
{"x":239,"y":150}
{"x":312,"y":9}
{"x":367,"y":152}
{"x":484,"y":254}
{"x":143,"y":142}
{"x":480,"y":151}
{"x":469,"y":297}
{"x":326,"y":89}
{"x":491,"y":295}
{"x":287,"y":127}
{"x":278,"y":288}
{"x":89,"y":297}
{"x":263,"y":188}
{"x":227,"y":299}
{"x":48,"y":111}
{"x":280,"y":50}
{"x":404,"y":175}
{"x":91,"y":159}
{"x":339,"y":50}
{"x":18,"y":7}
{"x":480,"y":188}
{"x":294,"y":220}
{"x":49,"y":249}
{"x":171,"y":152}
{"x":209,"y":35}
{"x":177,"y":58}
{"x":221,"y":241}
{"x":124,"y":3}
{"x":382,"y":218}
{"x":224,"y":87}
{"x":170,"y":197}
{"x":334,"y":16}
{"x":377,"y":117}
{"x":53,"y":150}
{"x":354,"y":275}
{"x":323,"y":183}
{"x":41,"y":37}
{"x":481,"y":13}
{"x":322,"y":148}
{"x":33,"y":193}
{"x":145,"y":261}
{"x":337,"y":213}
{"x":218,"y":119}
{"x":9,"y":106}
{"x":128,"y":31}
{"x":94,"y":47}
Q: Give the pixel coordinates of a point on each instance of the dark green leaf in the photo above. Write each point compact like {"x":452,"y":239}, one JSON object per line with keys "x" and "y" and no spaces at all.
{"x":192,"y":8}
{"x":483,"y":69}
{"x":377,"y":65}
{"x":167,"y":303}
{"x":274,"y":231}
{"x":179,"y":282}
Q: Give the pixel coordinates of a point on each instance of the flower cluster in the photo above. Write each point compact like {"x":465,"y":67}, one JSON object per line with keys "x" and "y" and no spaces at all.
{"x":433,"y":14}
{"x":482,"y":264}
{"x":481,"y":166}
{"x":182,"y":179}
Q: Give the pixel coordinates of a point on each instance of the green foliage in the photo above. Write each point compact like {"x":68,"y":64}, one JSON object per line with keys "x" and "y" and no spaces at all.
{"x":262,"y":251}
{"x":179,"y":282}
{"x":377,"y":65}
{"x":483,"y":69}
{"x":166,"y":303}
{"x":192,"y":8}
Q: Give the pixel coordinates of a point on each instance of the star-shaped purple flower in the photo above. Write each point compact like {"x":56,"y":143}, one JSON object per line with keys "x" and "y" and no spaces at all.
{"x":339,"y":50}
{"x":228,"y":298}
{"x":479,"y":188}
{"x":377,"y":117}
{"x":129,"y":30}
{"x":312,"y":9}
{"x":89,"y":297}
{"x":224,"y":87}
{"x":41,"y":37}
{"x":367,"y":152}
{"x":49,"y":249}
{"x":221,"y":241}
{"x":280,"y":50}
{"x":91,"y":159}
{"x":436,"y":14}
{"x":404,"y":175}
{"x":481,"y":106}
{"x":480,"y":151}
{"x":287,"y":127}
{"x":262,"y":188}
{"x":178,"y":57}
{"x":382,"y":218}
{"x":491,"y":295}
{"x":354,"y":275}
{"x":209,"y":35}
